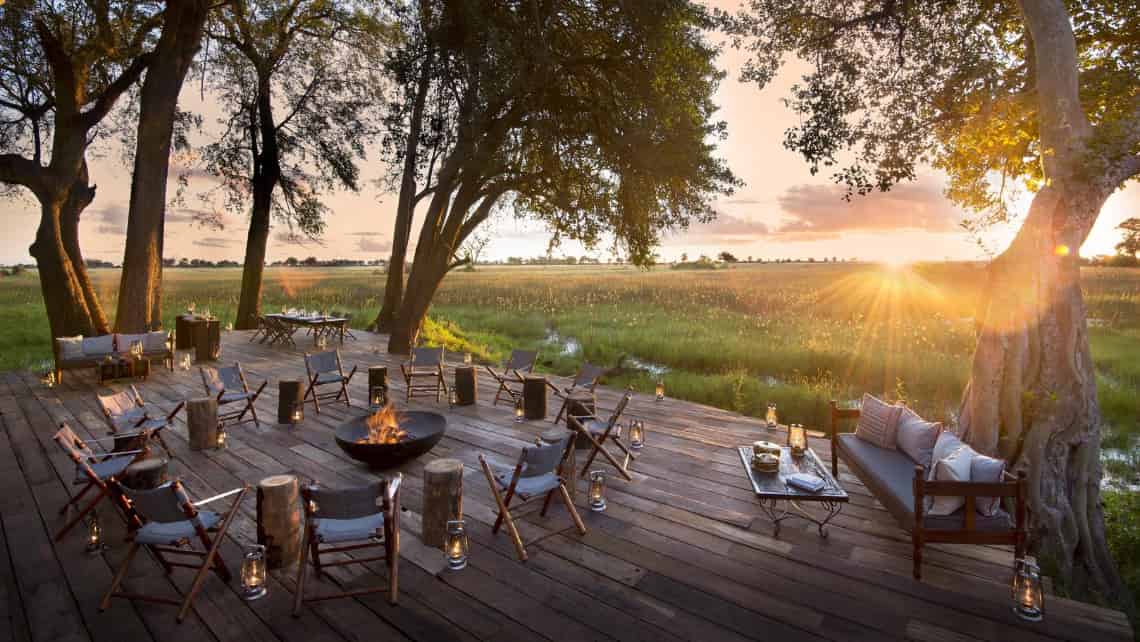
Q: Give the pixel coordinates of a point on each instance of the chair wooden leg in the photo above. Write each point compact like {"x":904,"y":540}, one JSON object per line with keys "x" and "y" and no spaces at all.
{"x":605,"y":453}
{"x":503,"y":513}
{"x":917,"y":542}
{"x":546,"y":503}
{"x":253,"y":412}
{"x":573,"y":510}
{"x":393,"y":554}
{"x":82,"y":513}
{"x":74,"y":500}
{"x":120,"y":575}
{"x":302,"y":566}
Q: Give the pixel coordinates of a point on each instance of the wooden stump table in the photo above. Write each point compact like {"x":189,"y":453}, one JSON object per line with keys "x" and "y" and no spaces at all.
{"x":443,"y":499}
{"x":202,"y":423}
{"x":534,"y":397}
{"x":289,"y":399}
{"x":466,"y":386}
{"x":279,"y":519}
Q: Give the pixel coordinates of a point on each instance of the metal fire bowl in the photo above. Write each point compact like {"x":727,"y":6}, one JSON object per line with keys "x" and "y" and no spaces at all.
{"x":424,"y":429}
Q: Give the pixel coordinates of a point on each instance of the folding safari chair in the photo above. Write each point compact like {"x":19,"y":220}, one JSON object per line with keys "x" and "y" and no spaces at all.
{"x":261,"y":331}
{"x":511,"y":378}
{"x":97,"y":471}
{"x":324,"y":369}
{"x":583,"y":385}
{"x":343,"y":330}
{"x":127,"y":414}
{"x":350,"y":519}
{"x":279,"y":331}
{"x":170,"y":524}
{"x":426,"y":364}
{"x":538,"y":472}
{"x":599,"y":431}
{"x":228,"y":385}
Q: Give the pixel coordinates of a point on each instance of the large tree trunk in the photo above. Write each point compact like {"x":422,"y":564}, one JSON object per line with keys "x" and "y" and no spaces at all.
{"x":405,"y":206}
{"x":79,"y":197}
{"x":1032,"y":395}
{"x":67,"y":309}
{"x":140,"y":288}
{"x":249,"y":304}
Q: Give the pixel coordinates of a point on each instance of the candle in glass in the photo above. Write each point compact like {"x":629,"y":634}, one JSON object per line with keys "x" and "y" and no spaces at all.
{"x":660,"y":391}
{"x":771,"y":417}
{"x":253,"y":583}
{"x":519,"y":412}
{"x":797,"y":439}
{"x":456,"y":545}
{"x":636,"y":434}
{"x":597,"y":491}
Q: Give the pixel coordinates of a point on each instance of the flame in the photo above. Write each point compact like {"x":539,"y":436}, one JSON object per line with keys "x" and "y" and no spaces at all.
{"x":384,"y":427}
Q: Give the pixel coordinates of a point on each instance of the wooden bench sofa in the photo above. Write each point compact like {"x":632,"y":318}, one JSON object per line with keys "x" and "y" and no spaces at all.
{"x":77,"y":353}
{"x":902,"y":488}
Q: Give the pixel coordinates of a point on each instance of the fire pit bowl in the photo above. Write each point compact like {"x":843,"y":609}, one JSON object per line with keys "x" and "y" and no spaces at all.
{"x":424,"y":429}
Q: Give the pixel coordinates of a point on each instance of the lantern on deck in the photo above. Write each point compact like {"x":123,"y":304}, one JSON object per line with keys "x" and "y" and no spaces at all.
{"x":455,"y":545}
{"x":597,"y":492}
{"x":220,"y":438}
{"x":771,"y":416}
{"x":519,"y":410}
{"x":136,"y":348}
{"x":797,"y":440}
{"x":378,"y":396}
{"x":48,"y":379}
{"x":466,"y":358}
{"x":660,"y":391}
{"x":298,"y":414}
{"x":94,"y":535}
{"x":184,"y":364}
{"x":1025,"y":590}
{"x":253,"y":584}
{"x":636,"y":434}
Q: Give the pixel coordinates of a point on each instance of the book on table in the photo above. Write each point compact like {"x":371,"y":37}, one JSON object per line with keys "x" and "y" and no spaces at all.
{"x":804,"y":481}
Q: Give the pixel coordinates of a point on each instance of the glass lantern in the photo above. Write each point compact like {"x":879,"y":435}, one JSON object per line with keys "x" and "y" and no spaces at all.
{"x":298,"y":412}
{"x":597,"y":492}
{"x":378,"y":397}
{"x":184,"y":364}
{"x":321,"y":342}
{"x":94,"y":535}
{"x":771,"y":416}
{"x":136,"y":348}
{"x":797,"y":440}
{"x":519,"y":412}
{"x":229,"y":326}
{"x":452,"y":398}
{"x":660,"y":391}
{"x":636,"y":434}
{"x":466,"y":358}
{"x":455,"y":545}
{"x":221,"y":438}
{"x":1025,"y":590}
{"x":48,"y":379}
{"x":253,"y":582}
{"x":190,"y":307}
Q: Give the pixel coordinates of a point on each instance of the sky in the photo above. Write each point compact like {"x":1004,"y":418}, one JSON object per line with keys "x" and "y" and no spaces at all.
{"x":782,"y":211}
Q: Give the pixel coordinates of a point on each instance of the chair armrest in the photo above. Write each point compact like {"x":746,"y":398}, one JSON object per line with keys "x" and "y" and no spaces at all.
{"x":228,"y":493}
{"x":392,"y":494}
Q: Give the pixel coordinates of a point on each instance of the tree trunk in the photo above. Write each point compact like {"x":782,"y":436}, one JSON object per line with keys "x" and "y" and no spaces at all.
{"x":1032,"y":394}
{"x":423,"y":282}
{"x":79,"y":197}
{"x":140,"y":288}
{"x":67,"y":310}
{"x":405,"y":207}
{"x":249,"y":305}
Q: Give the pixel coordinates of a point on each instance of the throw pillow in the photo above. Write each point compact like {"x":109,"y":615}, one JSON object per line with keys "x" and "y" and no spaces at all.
{"x":946,"y":444}
{"x":155,"y":341}
{"x":916,"y":437}
{"x":990,"y":470}
{"x":99,"y":346}
{"x":955,"y":467}
{"x":878,"y":422}
{"x":70,"y":348}
{"x":123,"y":341}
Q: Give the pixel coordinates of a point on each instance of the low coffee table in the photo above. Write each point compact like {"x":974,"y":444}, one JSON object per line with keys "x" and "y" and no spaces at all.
{"x":117,"y":368}
{"x":780,"y":501}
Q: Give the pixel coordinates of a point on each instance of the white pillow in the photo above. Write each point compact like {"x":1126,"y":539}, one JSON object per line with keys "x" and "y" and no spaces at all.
{"x":955,"y":467}
{"x":99,"y":346}
{"x":70,"y":348}
{"x":946,"y":444}
{"x":155,"y":341}
{"x":123,"y":341}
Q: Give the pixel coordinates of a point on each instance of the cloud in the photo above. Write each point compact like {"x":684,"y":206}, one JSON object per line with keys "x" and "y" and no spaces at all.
{"x":111,"y":219}
{"x":215,"y":242}
{"x":371,"y":242}
{"x":817,"y":212}
{"x":726,"y":229}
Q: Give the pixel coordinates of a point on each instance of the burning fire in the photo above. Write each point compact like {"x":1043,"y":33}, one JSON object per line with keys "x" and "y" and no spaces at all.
{"x":384,"y":427}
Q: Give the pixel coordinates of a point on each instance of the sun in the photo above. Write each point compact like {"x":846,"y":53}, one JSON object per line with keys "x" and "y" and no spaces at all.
{"x":896,"y":263}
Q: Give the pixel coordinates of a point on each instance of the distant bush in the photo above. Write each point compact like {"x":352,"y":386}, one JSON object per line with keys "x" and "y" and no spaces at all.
{"x":703,"y":263}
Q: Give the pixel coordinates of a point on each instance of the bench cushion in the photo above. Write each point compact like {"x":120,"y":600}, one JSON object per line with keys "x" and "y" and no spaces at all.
{"x":999,"y":521}
{"x":95,"y":347}
{"x":70,"y":348}
{"x":887,"y":472}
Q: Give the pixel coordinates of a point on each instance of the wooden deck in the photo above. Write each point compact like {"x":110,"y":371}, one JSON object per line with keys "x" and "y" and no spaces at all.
{"x":681,"y":552}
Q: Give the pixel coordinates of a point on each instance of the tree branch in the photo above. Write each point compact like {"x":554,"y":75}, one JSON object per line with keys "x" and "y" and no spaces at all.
{"x":17,"y":170}
{"x":106,"y":101}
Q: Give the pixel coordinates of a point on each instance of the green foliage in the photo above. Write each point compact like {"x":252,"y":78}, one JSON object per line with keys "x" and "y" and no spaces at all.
{"x":1121,"y":506}
{"x":1130,"y":244}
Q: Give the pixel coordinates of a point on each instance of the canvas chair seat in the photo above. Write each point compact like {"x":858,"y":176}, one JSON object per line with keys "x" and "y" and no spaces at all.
{"x":105,"y":469}
{"x":599,"y":432}
{"x":171,"y":533}
{"x":127,"y":419}
{"x":526,"y":486}
{"x":332,"y":531}
{"x":594,"y":426}
{"x":329,"y":377}
{"x":228,"y":397}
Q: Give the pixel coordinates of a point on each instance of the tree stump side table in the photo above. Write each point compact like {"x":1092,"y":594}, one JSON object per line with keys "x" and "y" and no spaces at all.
{"x":534,"y":397}
{"x":279,"y":519}
{"x":202,"y":423}
{"x":443,"y":499}
{"x":289,"y":399}
{"x":466,"y":386}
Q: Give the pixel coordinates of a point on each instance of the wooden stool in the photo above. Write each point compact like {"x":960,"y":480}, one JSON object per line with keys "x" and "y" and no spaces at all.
{"x":466,"y":386}
{"x":202,"y":423}
{"x":146,"y":474}
{"x":552,"y":436}
{"x":279,"y":519}
{"x":534,"y":397}
{"x":289,"y":398}
{"x":443,"y":499}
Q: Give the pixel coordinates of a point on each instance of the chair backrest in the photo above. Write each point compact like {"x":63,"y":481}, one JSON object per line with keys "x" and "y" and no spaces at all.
{"x":327,"y":361}
{"x":164,"y":504}
{"x":544,"y":459}
{"x":222,"y":379}
{"x":344,"y":503}
{"x":427,"y":357}
{"x":522,"y":360}
{"x":119,"y":403}
{"x":588,"y":375}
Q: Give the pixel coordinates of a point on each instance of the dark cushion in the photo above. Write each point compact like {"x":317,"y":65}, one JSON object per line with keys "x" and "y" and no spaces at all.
{"x":889,"y":474}
{"x":999,"y":521}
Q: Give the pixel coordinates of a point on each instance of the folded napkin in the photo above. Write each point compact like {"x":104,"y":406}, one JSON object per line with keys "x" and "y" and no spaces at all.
{"x":804,"y":481}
